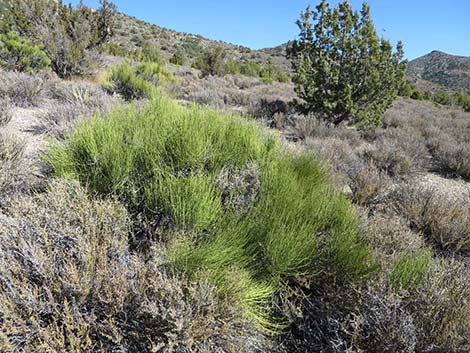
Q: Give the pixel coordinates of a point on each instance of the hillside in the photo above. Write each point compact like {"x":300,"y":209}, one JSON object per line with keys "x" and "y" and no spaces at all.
{"x":438,"y":68}
{"x":132,"y":33}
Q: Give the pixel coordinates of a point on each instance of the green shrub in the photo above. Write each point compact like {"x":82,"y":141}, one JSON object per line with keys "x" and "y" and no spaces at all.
{"x":442,"y":97}
{"x":165,"y":161}
{"x":462,"y":99}
{"x":139,"y":82}
{"x":232,"y":67}
{"x":418,"y":95}
{"x":248,"y":68}
{"x":272,"y":72}
{"x":459,"y":98}
{"x":114,"y":49}
{"x":155,"y":73}
{"x":191,"y":47}
{"x":179,"y":57}
{"x":17,"y":53}
{"x":128,"y":84}
{"x":212,"y":62}
{"x":147,"y":53}
{"x":410,"y":270}
{"x":406,"y":90}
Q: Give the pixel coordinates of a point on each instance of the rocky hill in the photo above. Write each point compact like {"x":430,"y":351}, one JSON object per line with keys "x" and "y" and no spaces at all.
{"x":438,"y":68}
{"x":132,"y":32}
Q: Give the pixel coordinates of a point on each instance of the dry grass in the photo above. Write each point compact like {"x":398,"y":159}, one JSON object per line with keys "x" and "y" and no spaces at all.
{"x":23,"y":90}
{"x":239,"y":188}
{"x":389,"y":235}
{"x":445,"y":132}
{"x":368,"y":185}
{"x":70,"y":284}
{"x":398,"y":152}
{"x":81,"y":94}
{"x":416,"y":137}
{"x":59,"y":119}
{"x":6,"y":113}
{"x":445,"y":223}
{"x":431,"y":317}
{"x":355,"y":320}
{"x":67,"y":103}
{"x":234,"y":92}
{"x":15,"y":168}
{"x":442,"y":309}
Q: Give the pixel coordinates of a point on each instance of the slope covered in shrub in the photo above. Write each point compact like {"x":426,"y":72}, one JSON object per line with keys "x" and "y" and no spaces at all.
{"x":188,"y":170}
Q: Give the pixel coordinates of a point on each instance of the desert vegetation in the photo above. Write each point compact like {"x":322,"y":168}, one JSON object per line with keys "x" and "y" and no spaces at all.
{"x":214,"y":62}
{"x":343,"y":71}
{"x":179,"y":181}
{"x":179,"y":199}
{"x":43,"y":33}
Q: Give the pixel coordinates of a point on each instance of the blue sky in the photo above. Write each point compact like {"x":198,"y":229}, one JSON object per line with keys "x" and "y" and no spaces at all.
{"x":423,"y":25}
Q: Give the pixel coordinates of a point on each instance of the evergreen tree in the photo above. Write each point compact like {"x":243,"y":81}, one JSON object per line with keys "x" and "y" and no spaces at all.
{"x":17,"y":53}
{"x":67,"y":34}
{"x":343,"y":71}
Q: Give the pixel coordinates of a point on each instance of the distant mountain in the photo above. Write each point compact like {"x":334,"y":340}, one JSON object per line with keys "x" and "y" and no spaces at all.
{"x":441,"y":69}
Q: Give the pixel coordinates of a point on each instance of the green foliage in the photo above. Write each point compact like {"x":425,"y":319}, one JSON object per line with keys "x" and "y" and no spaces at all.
{"x":179,"y":57}
{"x":343,"y":70}
{"x":462,"y":100}
{"x":19,"y":54}
{"x":268,"y":73}
{"x":165,"y":161}
{"x":191,"y":47}
{"x":114,"y":49}
{"x":154,"y":72}
{"x":125,"y":81}
{"x":410,"y":270}
{"x":212,"y":62}
{"x":272,"y":72}
{"x":67,"y":34}
{"x":147,"y":53}
{"x":442,"y":97}
{"x":139,"y":81}
{"x":248,"y":68}
{"x":418,"y":95}
{"x":406,"y":89}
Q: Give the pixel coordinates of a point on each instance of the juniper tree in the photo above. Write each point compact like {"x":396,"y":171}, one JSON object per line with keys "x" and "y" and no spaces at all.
{"x":67,"y":34}
{"x":17,"y":53}
{"x":343,"y":71}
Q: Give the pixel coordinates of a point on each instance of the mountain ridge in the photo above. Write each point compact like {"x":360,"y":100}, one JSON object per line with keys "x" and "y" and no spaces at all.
{"x":442,"y":69}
